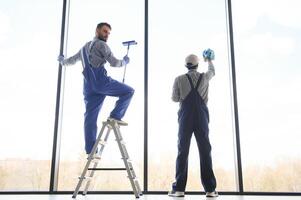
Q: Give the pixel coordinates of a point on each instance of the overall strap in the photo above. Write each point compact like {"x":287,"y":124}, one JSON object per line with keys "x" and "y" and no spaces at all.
{"x":91,"y":45}
{"x":86,"y":62}
{"x":84,"y":57}
{"x":199,"y":81}
{"x":190,"y":81}
{"x":85,"y":53}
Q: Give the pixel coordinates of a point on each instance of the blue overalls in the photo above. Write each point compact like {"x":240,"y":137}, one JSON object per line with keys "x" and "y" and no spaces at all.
{"x":97,"y":85}
{"x":193,"y":117}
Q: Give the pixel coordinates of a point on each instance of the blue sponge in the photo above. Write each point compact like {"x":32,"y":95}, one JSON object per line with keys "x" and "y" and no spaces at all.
{"x":208,"y":54}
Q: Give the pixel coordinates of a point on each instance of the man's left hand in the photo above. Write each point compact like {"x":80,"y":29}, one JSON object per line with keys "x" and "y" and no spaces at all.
{"x":126,"y":60}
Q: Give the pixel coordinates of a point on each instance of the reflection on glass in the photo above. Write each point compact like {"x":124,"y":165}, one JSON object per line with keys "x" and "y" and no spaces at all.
{"x":28,"y":73}
{"x":126,"y":25}
{"x":267,"y":42}
{"x":177,"y":29}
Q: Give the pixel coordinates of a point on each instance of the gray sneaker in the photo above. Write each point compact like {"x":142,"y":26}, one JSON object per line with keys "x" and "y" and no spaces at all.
{"x":176,"y":194}
{"x":212,"y":194}
{"x":119,"y":122}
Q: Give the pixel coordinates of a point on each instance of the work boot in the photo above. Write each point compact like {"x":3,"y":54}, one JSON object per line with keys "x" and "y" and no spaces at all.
{"x":119,"y":122}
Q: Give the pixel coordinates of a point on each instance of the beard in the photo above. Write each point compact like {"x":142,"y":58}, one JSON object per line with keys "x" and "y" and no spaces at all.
{"x":102,"y":38}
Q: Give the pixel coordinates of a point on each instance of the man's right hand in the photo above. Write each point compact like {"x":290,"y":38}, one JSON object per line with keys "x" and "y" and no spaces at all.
{"x":208,"y":55}
{"x":126,"y":60}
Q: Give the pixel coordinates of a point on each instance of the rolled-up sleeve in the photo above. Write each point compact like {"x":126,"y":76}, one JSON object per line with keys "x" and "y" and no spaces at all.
{"x":176,"y":91}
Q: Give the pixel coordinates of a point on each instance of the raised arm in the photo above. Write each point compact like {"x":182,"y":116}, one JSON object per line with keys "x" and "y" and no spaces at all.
{"x":211,"y":70}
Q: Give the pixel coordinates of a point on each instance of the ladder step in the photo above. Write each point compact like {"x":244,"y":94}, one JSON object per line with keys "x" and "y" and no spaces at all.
{"x":101,"y":142}
{"x":135,"y":179}
{"x":106,"y":169}
{"x":133,"y":173}
{"x":96,"y":157}
{"x":85,"y":178}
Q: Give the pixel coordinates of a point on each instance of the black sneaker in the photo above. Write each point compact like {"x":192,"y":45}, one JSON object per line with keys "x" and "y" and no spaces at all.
{"x":176,"y":194}
{"x":212,"y":194}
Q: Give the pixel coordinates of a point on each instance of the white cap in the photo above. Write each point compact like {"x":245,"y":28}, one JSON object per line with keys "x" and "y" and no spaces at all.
{"x":191,"y":60}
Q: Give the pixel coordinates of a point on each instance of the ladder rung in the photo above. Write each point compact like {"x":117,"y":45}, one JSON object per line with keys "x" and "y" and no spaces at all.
{"x":106,"y":169}
{"x":96,"y":156}
{"x":102,"y":142}
{"x":85,"y":178}
{"x":134,"y":178}
{"x":95,"y":159}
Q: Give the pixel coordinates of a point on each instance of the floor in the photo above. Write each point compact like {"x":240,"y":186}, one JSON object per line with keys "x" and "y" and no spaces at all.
{"x":145,"y":197}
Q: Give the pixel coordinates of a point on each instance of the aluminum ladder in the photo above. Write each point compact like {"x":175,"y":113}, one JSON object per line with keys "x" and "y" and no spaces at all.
{"x":95,"y":157}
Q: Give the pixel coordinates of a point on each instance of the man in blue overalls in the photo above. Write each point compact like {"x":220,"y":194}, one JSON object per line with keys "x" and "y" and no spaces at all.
{"x":97,"y":85}
{"x":191,"y":90}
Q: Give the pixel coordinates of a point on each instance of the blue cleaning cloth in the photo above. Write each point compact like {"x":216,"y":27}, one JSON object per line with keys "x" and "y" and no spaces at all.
{"x":208,"y":54}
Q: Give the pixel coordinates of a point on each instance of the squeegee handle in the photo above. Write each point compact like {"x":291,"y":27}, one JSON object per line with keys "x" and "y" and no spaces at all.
{"x":124,"y":73}
{"x":127,"y":51}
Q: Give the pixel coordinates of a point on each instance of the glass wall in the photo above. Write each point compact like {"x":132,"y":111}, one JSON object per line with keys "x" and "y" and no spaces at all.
{"x":127,"y":21}
{"x":176,"y":29}
{"x":267,"y":36}
{"x":29,"y":44}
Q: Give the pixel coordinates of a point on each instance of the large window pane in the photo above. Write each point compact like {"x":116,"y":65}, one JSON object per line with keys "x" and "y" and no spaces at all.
{"x":29,"y":44}
{"x":267,"y":42}
{"x":126,"y":19}
{"x":176,"y":29}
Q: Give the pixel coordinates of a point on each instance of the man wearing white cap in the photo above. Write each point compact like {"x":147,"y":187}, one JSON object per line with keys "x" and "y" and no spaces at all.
{"x":191,"y":90}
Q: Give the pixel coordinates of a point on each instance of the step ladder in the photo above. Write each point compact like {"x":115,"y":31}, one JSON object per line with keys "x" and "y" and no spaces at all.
{"x":95,"y":157}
